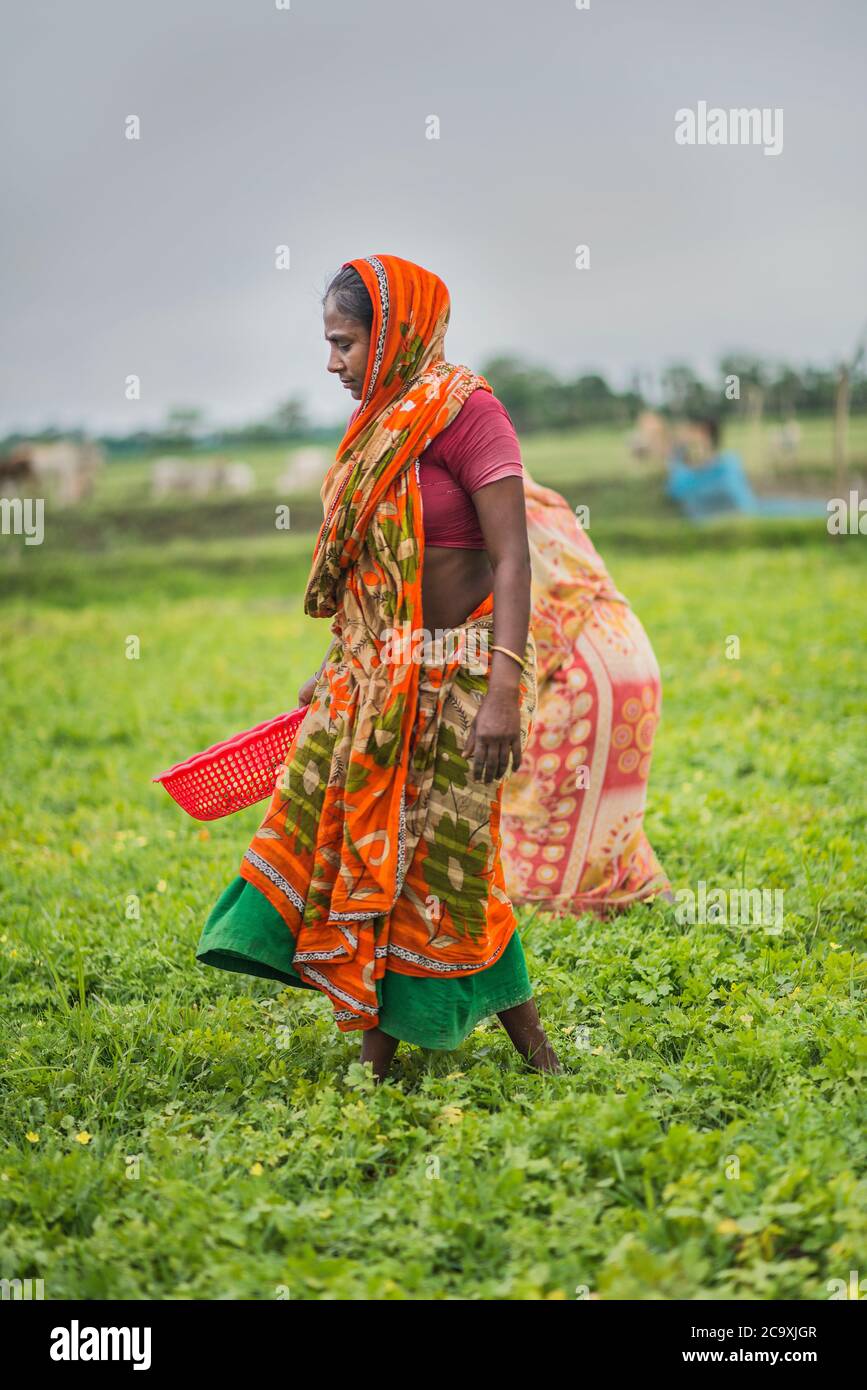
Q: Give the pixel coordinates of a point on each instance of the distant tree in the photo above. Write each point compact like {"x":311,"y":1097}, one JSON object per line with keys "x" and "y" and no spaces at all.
{"x":684,"y":394}
{"x":785,"y":389}
{"x":594,"y":398}
{"x":290,"y":418}
{"x":819,"y":390}
{"x":538,"y":400}
{"x":750,"y":370}
{"x":182,"y":421}
{"x":529,"y":393}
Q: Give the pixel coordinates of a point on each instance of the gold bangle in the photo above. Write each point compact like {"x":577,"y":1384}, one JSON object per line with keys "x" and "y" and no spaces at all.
{"x":513,"y":655}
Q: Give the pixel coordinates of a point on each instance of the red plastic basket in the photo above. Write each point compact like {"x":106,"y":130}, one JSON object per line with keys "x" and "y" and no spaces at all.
{"x":236,"y":773}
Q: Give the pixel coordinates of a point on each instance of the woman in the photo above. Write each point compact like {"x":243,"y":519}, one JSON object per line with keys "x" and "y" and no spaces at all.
{"x":707,"y":482}
{"x":573,"y":837}
{"x":375,"y":877}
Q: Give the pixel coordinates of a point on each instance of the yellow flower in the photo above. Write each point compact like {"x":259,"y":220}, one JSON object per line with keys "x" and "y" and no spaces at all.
{"x":727,"y":1227}
{"x":31,"y":1137}
{"x":325,"y":1214}
{"x":162,"y":886}
{"x":256,"y":1171}
{"x":452,"y":1113}
{"x":83,"y":1137}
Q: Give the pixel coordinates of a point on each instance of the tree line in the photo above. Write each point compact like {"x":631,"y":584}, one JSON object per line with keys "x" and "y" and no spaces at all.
{"x":538,"y":399}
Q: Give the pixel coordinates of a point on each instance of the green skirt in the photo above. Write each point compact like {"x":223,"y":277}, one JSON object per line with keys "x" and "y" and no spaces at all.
{"x":245,"y":933}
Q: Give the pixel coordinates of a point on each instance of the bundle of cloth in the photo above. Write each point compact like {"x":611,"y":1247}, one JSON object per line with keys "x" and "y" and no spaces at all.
{"x":573,"y":815}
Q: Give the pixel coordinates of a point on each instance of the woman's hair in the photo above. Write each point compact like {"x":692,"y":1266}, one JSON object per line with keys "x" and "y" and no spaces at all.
{"x":710,"y":424}
{"x":349,"y":293}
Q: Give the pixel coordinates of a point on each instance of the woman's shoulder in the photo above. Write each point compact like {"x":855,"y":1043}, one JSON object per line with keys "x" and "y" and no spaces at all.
{"x":482,"y":417}
{"x":480,"y":444}
{"x":484,"y":405}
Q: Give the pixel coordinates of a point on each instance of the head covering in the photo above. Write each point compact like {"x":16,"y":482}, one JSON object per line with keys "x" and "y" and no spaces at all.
{"x":411,"y":310}
{"x":410,"y":393}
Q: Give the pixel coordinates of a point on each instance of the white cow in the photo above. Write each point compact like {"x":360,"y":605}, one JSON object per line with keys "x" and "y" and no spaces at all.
{"x":186,"y":477}
{"x":65,"y":469}
{"x":237,"y":477}
{"x":304,"y":470}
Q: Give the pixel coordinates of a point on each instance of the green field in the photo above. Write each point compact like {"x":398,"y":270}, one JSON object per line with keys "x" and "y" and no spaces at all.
{"x":593,"y":466}
{"x":598,"y":454}
{"x":170,"y":1131}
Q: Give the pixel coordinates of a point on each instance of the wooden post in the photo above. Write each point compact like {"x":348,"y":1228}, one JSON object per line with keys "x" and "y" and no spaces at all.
{"x":841,"y":426}
{"x":753,"y":450}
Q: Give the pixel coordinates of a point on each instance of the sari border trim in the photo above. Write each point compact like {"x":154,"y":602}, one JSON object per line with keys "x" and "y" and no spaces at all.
{"x":444,"y":967}
{"x":330,"y":988}
{"x":381,"y":276}
{"x":276,"y":878}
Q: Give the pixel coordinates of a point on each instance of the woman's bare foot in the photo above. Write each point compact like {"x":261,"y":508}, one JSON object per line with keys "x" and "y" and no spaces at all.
{"x":524,"y":1027}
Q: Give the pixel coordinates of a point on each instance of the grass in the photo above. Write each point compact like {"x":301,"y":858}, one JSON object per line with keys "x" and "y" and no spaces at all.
{"x":170,"y":1131}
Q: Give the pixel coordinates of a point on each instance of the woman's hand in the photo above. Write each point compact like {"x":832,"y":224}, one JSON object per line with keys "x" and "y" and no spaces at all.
{"x":494,"y":733}
{"x":305,"y":694}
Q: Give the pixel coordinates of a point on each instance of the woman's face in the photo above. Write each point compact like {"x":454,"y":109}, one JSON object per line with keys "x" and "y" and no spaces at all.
{"x":350,"y":342}
{"x":695,"y":441}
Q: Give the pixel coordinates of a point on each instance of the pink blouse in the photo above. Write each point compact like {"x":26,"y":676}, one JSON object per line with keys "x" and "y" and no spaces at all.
{"x":479,"y":447}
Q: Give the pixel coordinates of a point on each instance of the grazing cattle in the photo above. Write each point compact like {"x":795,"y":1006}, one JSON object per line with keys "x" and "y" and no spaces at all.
{"x":17,"y":478}
{"x":237,"y":477}
{"x":651,"y":437}
{"x":304,"y":471}
{"x":64,"y":468}
{"x":168,"y":476}
{"x":186,"y":477}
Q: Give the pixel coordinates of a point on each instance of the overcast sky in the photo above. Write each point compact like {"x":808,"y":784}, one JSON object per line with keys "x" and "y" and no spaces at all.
{"x":307,"y":127}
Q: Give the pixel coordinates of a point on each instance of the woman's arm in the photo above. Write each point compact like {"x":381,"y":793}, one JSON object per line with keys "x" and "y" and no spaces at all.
{"x":496,"y":729}
{"x":305,"y":694}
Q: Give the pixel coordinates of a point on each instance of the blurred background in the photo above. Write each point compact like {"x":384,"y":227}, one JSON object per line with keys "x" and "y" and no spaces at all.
{"x":185,"y":179}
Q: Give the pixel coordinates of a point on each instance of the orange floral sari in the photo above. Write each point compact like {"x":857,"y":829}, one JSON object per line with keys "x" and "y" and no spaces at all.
{"x":380,"y":849}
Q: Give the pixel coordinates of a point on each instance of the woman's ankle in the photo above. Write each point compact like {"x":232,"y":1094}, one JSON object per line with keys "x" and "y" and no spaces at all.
{"x":378,"y":1049}
{"x":524,"y":1027}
